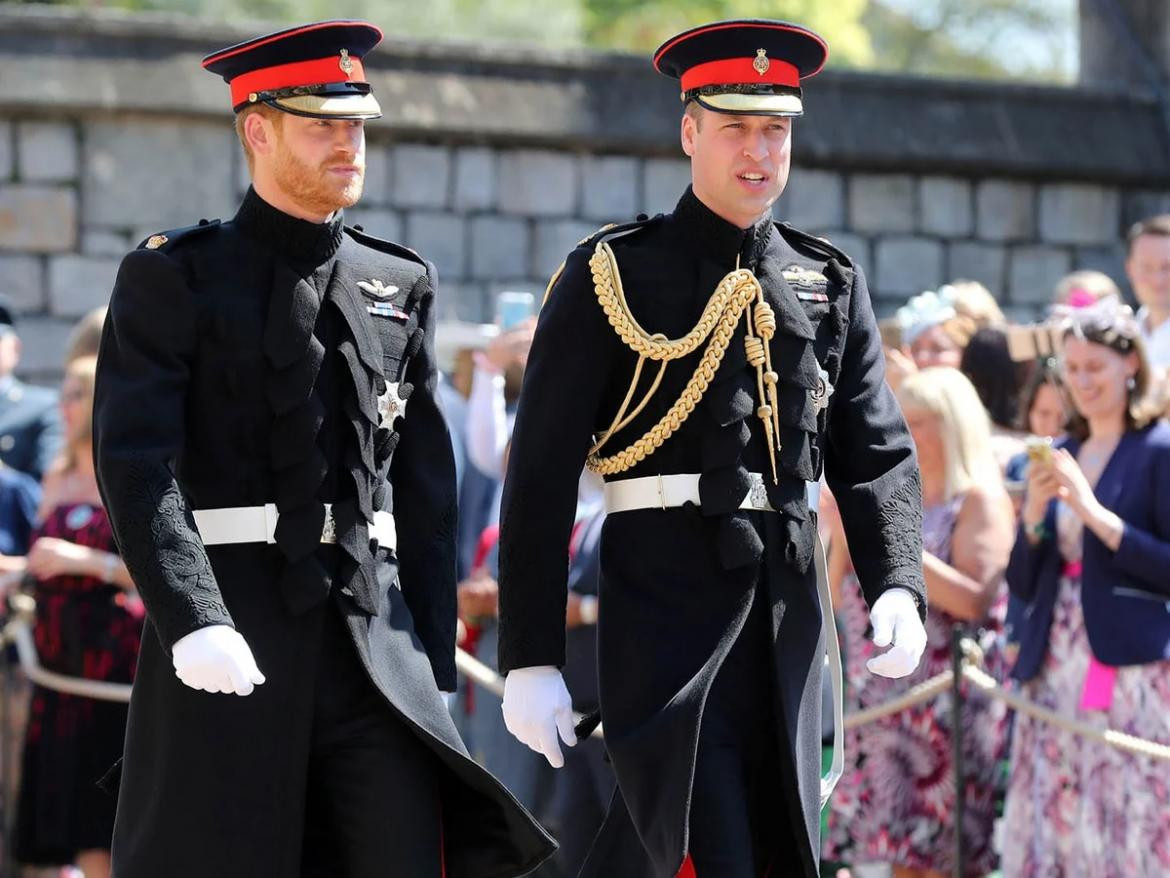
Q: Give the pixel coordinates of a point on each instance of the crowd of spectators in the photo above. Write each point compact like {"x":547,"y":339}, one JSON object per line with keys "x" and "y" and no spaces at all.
{"x":1044,"y":453}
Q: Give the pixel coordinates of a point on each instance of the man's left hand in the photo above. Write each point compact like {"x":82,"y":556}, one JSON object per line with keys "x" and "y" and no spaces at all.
{"x":896,"y":624}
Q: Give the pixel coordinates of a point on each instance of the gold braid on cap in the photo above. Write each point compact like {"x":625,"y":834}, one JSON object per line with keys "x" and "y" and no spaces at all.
{"x":737,"y":291}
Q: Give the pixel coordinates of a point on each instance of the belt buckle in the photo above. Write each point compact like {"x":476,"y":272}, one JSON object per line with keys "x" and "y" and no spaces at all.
{"x":661,"y":493}
{"x":329,"y":528}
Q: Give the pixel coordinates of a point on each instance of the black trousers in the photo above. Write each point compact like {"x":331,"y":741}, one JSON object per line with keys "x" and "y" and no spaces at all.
{"x":738,"y":822}
{"x":372,"y":801}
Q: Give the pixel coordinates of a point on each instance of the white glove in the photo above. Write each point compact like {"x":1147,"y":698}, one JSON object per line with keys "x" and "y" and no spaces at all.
{"x":895,"y":620}
{"x":536,"y":707}
{"x":216,"y":659}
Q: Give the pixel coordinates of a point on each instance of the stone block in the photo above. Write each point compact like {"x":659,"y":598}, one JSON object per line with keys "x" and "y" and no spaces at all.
{"x":460,"y":301}
{"x":1033,"y":273}
{"x":553,"y":241}
{"x":986,"y":263}
{"x":1142,"y":205}
{"x":500,"y":247}
{"x":240,"y":172}
{"x":376,"y":186}
{"x":906,"y":266}
{"x":420,"y":175}
{"x":881,"y":203}
{"x":42,"y":347}
{"x":534,"y":182}
{"x":22,"y":280}
{"x":78,"y":284}
{"x":128,"y":163}
{"x":946,"y":207}
{"x":609,"y":188}
{"x":7,"y":152}
{"x":663,"y":183}
{"x":46,"y":152}
{"x":441,"y":238}
{"x":38,"y":218}
{"x":1005,"y":211}
{"x":1108,"y":259}
{"x":475,"y":178}
{"x":1079,"y":213}
{"x":104,"y":242}
{"x":813,"y":200}
{"x":385,"y":224}
{"x":856,"y":247}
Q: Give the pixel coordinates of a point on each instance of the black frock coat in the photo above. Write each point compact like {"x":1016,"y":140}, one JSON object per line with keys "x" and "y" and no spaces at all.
{"x":241,"y":364}
{"x":677,"y":584}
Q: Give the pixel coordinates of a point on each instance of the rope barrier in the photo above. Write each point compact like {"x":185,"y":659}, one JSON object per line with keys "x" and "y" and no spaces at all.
{"x":1120,"y":740}
{"x":919,"y":694}
{"x":17,"y":632}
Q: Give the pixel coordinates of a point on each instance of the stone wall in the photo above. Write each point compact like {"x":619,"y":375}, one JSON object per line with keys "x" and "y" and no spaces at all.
{"x":494,"y":165}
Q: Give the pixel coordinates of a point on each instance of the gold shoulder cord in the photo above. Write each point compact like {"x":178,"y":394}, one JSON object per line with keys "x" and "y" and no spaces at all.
{"x":730,"y":301}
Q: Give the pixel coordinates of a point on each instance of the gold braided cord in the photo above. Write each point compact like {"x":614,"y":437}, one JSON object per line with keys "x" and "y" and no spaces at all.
{"x":735,"y":293}
{"x":620,"y":422}
{"x":607,"y":283}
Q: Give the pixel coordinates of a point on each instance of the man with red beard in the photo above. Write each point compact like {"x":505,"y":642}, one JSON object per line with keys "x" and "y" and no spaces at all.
{"x":265,"y":401}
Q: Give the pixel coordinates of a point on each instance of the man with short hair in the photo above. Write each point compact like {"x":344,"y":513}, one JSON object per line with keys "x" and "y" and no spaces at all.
{"x":266,"y":399}
{"x":1147,"y":264}
{"x":30,"y":420}
{"x":711,"y":629}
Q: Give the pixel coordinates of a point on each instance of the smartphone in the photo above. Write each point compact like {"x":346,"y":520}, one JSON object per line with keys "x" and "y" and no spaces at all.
{"x":1034,"y":341}
{"x":1039,"y":449}
{"x":891,"y":332}
{"x":513,"y":308}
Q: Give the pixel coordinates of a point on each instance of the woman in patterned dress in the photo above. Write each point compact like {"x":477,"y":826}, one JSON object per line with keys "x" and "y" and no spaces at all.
{"x":1091,"y":562}
{"x":896,"y":801}
{"x":88,"y":624}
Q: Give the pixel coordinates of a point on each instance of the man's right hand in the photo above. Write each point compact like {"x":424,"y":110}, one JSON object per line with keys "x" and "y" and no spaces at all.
{"x":536,"y":708}
{"x":216,"y":659}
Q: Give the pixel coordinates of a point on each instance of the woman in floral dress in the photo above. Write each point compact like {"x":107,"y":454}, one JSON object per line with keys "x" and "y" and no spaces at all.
{"x":896,"y":801}
{"x":88,"y":624}
{"x":1092,"y":564}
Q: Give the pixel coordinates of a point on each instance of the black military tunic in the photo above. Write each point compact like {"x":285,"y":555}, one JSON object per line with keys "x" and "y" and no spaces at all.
{"x":259,"y":361}
{"x":687,"y":591}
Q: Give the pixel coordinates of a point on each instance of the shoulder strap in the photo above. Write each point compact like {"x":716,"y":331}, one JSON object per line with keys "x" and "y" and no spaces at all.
{"x":168,"y":240}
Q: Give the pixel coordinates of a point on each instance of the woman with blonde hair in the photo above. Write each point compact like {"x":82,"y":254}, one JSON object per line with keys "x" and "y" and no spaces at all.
{"x":88,"y":624}
{"x":896,"y":801}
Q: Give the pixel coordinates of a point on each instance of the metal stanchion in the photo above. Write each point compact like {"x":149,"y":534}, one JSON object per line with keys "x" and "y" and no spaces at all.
{"x":957,"y":745}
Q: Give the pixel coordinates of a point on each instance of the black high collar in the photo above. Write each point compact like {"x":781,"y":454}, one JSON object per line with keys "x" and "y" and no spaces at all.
{"x":297,"y":241}
{"x":719,"y":239}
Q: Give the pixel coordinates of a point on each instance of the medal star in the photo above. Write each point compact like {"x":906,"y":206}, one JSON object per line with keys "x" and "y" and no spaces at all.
{"x":391,"y":405}
{"x":824,"y":389}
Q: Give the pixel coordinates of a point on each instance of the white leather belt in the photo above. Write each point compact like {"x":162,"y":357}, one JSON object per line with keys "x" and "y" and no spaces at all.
{"x":667,"y":492}
{"x":257,"y":524}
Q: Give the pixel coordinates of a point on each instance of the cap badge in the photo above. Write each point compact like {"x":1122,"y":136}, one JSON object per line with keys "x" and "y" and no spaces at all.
{"x":761,"y":64}
{"x":156,"y":241}
{"x":345,"y":64}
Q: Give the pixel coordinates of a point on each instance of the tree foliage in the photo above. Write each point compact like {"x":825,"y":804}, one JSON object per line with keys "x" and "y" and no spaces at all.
{"x":644,"y":24}
{"x":965,"y":38}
